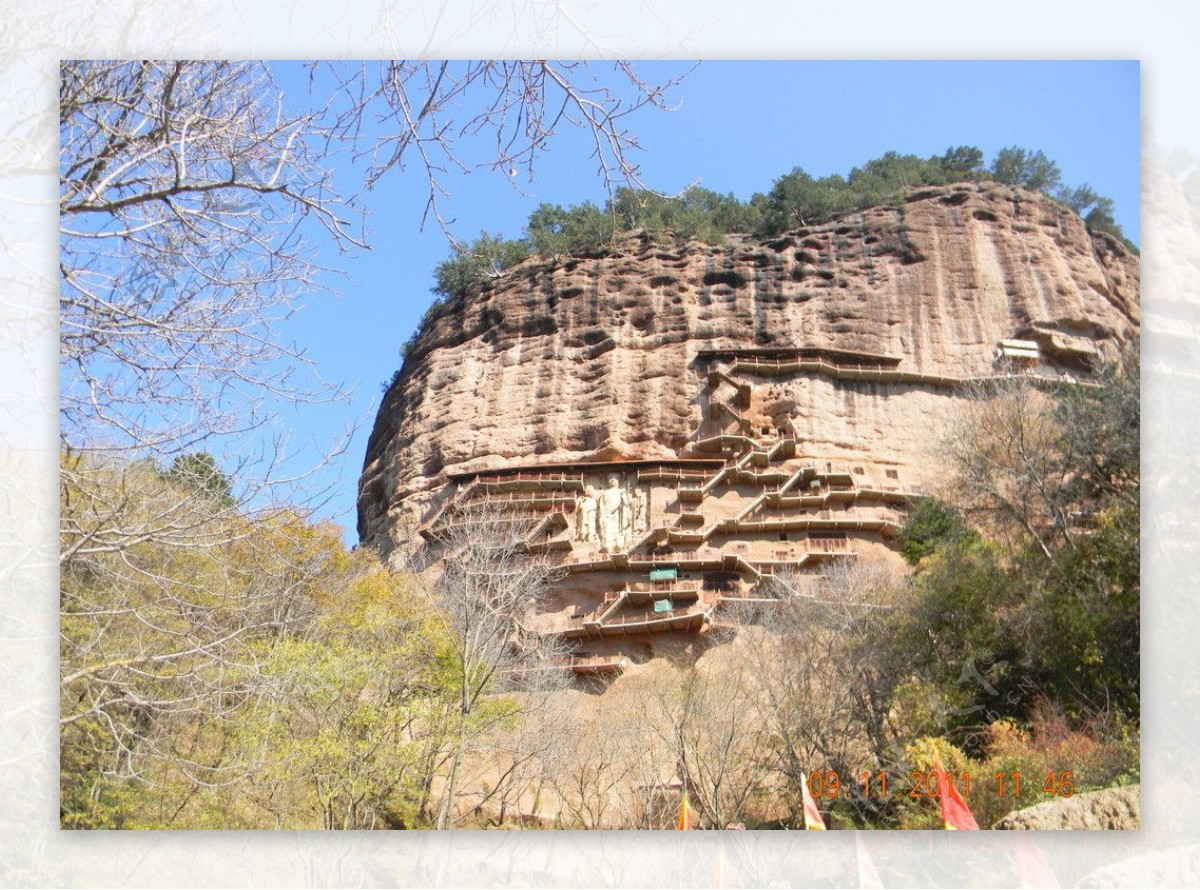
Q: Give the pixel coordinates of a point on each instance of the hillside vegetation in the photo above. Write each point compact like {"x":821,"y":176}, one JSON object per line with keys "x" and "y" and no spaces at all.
{"x":274,"y":680}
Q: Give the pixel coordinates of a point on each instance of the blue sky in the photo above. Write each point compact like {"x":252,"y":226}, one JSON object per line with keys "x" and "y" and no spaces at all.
{"x":738,"y":127}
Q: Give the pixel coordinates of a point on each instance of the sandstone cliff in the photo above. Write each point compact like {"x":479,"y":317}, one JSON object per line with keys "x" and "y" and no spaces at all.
{"x":605,"y":357}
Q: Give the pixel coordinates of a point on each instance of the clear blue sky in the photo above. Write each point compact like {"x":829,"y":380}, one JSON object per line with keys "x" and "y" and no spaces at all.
{"x":738,"y":127}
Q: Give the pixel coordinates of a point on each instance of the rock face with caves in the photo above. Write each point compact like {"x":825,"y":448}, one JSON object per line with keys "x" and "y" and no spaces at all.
{"x":687,"y":424}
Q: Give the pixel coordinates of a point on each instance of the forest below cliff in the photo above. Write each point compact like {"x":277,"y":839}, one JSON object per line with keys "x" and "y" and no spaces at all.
{"x":274,"y":679}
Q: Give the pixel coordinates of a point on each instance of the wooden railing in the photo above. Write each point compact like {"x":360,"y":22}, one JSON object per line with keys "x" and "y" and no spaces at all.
{"x":504,"y":497}
{"x":664,"y":586}
{"x":677,"y":556}
{"x":493,"y":478}
{"x":880,"y":374}
{"x":651,"y":617}
{"x":598,"y":661}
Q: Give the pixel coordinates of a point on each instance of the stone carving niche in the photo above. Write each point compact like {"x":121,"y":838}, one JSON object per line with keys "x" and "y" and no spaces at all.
{"x":612,"y":515}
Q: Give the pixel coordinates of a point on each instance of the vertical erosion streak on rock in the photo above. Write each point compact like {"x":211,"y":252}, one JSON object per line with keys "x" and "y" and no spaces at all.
{"x":487,"y":400}
{"x":991,"y":280}
{"x":955,"y":252}
{"x":982,"y":324}
{"x":601,"y":323}
{"x":868,"y":262}
{"x":623,"y":382}
{"x":1034,"y":259}
{"x":939,"y":297}
{"x":960,"y":304}
{"x":849,"y":413}
{"x":673,"y":330}
{"x":760,"y":298}
{"x":556,"y":421}
{"x":925,"y":327}
{"x":1020,"y":287}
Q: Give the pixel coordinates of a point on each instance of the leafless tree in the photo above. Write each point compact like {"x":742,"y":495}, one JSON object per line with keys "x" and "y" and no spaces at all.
{"x":486,"y":585}
{"x":182,"y":189}
{"x":439,"y":115}
{"x":1010,"y":464}
{"x":639,"y":739}
{"x":590,"y":774}
{"x":823,"y":680}
{"x":519,"y":760}
{"x":710,"y":720}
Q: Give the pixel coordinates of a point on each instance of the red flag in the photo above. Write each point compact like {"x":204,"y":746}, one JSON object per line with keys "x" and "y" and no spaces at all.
{"x":1033,"y":871}
{"x":868,"y":877}
{"x":685,"y":814}
{"x":955,"y":813}
{"x":812,"y":816}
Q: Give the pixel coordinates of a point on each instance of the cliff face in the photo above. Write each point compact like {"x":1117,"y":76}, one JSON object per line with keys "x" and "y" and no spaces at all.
{"x":641,"y":352}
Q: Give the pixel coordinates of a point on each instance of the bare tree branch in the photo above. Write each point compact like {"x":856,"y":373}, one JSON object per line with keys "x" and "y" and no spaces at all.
{"x":486,"y":587}
{"x":440,"y":111}
{"x":1011,"y":462}
{"x":183,"y":188}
